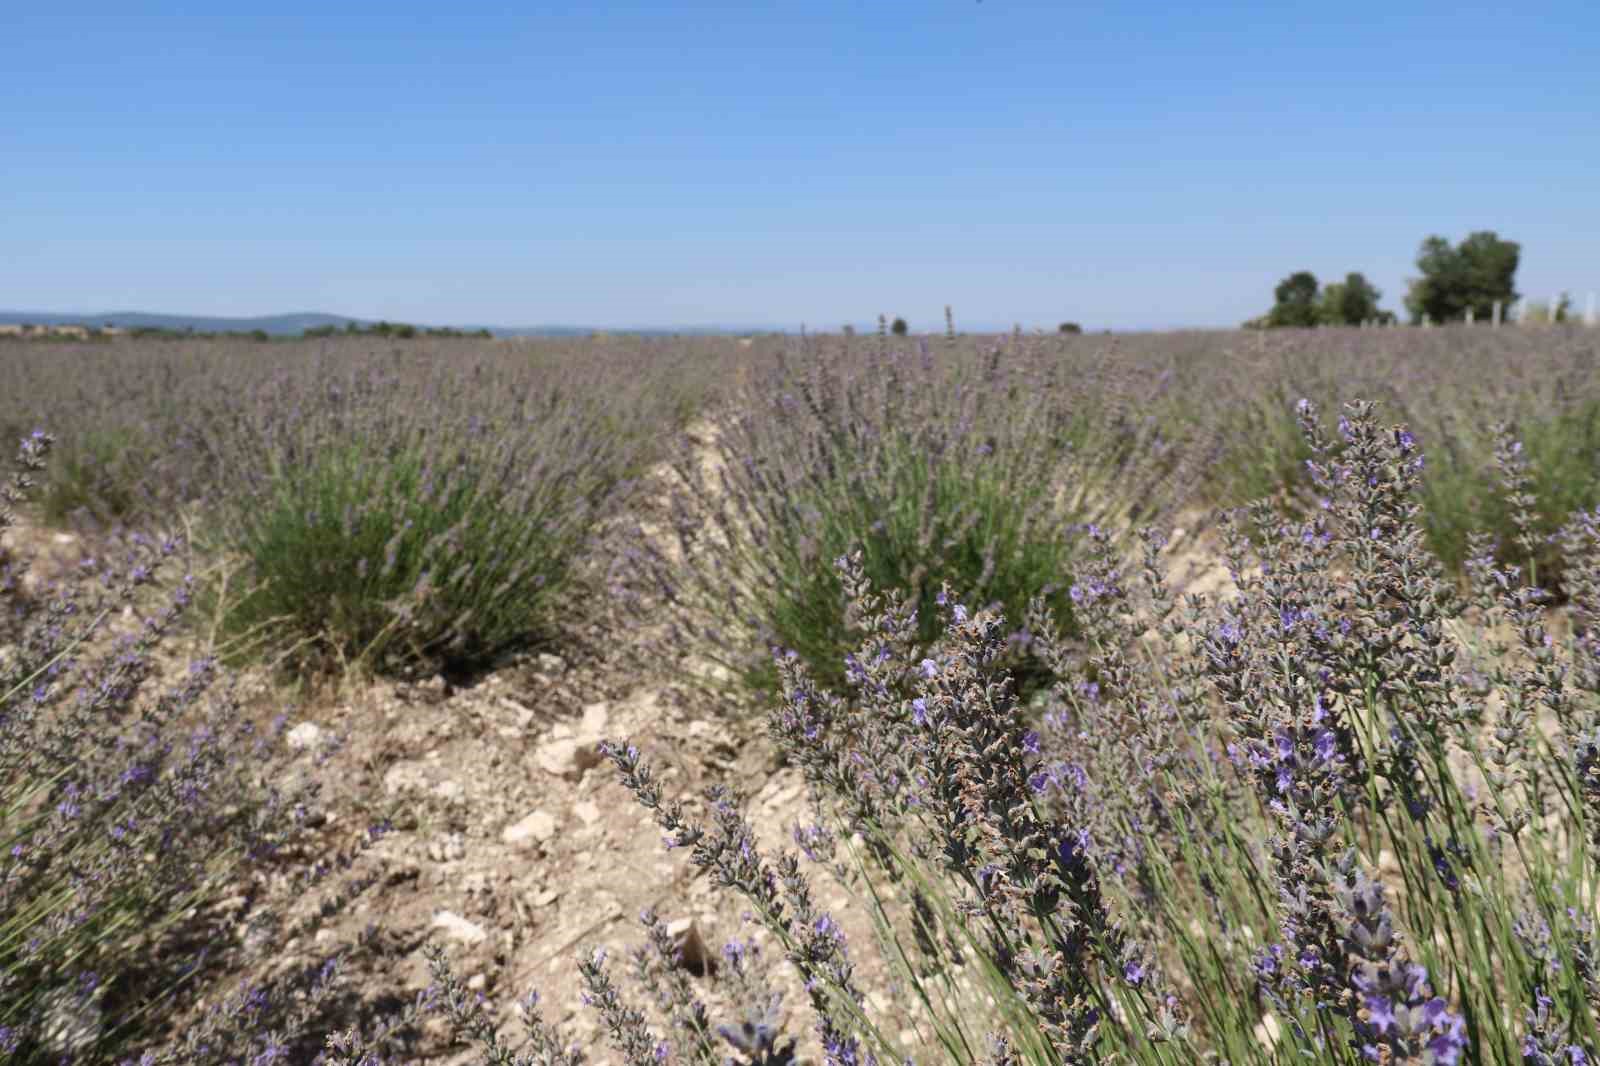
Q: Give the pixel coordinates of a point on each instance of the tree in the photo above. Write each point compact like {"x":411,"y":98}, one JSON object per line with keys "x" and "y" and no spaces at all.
{"x":1296,"y":301}
{"x":1350,"y":302}
{"x":899,"y":329}
{"x":1069,"y":327}
{"x":1474,"y":275}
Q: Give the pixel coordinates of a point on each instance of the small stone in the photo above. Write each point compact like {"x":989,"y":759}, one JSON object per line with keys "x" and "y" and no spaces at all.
{"x":459,"y":929}
{"x":545,"y":898}
{"x":448,"y":848}
{"x":477,"y":982}
{"x":303,"y":736}
{"x":409,"y":776}
{"x":546,"y":663}
{"x":522,"y":716}
{"x":596,"y":719}
{"x":449,"y":791}
{"x":531,"y":831}
{"x":587,"y":812}
{"x":567,"y":758}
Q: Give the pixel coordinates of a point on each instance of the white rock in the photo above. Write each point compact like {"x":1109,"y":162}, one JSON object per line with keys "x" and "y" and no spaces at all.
{"x":596,"y":719}
{"x":459,"y":929}
{"x":449,"y":791}
{"x":533,"y":830}
{"x":407,"y":776}
{"x":448,"y":848}
{"x":523,"y":716}
{"x":303,"y":736}
{"x":587,"y":812}
{"x":567,"y":758}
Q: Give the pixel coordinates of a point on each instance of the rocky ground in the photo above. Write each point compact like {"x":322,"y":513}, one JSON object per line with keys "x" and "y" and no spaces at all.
{"x":515,"y":847}
{"x":512,"y":844}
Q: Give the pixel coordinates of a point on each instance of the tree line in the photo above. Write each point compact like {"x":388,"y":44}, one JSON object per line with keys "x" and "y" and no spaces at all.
{"x":1456,"y":282}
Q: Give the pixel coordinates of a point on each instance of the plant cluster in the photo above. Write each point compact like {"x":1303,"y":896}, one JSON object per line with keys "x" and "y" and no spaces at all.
{"x":1345,"y":814}
{"x":427,"y":505}
{"x":140,"y":808}
{"x":983,"y":473}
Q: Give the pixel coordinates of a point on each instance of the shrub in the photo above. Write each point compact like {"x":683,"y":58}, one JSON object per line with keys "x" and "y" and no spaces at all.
{"x":128,"y":807}
{"x":98,"y":476}
{"x":1453,"y":387}
{"x":974,"y":469}
{"x":398,"y":520}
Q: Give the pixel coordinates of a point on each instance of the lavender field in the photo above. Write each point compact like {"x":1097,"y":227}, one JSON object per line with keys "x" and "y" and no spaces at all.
{"x":1222,"y":697}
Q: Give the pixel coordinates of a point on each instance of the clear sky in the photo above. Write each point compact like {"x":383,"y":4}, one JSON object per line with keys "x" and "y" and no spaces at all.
{"x":767,"y":162}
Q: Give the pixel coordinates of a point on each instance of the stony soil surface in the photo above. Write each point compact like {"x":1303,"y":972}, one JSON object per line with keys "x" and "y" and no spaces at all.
{"x":513,"y":845}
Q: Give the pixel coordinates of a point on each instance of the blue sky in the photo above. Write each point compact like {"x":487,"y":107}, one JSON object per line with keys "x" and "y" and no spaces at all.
{"x":773,"y":163}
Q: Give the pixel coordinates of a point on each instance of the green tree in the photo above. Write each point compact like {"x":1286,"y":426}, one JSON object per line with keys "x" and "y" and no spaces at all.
{"x":1296,"y":301}
{"x":1069,"y":327}
{"x":899,"y":329}
{"x":1349,"y":302}
{"x":1473,"y":275}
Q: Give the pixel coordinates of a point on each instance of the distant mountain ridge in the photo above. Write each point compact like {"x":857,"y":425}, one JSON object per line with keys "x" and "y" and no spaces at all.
{"x":297,"y":323}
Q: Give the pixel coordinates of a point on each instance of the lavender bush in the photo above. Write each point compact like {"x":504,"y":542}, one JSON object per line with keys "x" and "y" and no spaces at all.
{"x":387,"y":540}
{"x":979,"y":467}
{"x":1233,"y":401}
{"x":130,"y":804}
{"x":426,"y":503}
{"x":1345,"y":814}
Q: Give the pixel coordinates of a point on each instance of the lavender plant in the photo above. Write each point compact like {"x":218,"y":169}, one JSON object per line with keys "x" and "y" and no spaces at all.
{"x":382,"y":539}
{"x":1343,"y":814}
{"x":326,"y":479}
{"x":132,"y":800}
{"x":972,"y":467}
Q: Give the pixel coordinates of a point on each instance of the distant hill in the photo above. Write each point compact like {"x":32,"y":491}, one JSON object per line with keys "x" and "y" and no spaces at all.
{"x":295,"y":324}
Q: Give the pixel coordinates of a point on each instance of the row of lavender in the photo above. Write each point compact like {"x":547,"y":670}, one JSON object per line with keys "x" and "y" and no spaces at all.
{"x":1348,"y":813}
{"x":1076,"y":875}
